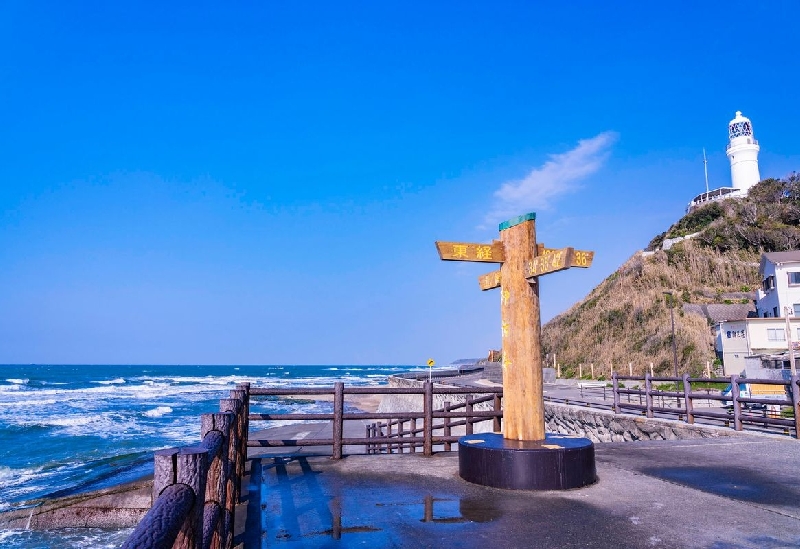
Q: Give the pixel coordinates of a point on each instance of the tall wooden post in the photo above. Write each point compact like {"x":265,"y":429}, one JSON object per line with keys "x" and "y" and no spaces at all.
{"x":524,"y":457}
{"x":523,"y":412}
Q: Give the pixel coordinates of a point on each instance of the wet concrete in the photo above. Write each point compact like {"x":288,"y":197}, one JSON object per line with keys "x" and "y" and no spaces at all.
{"x":708,"y":493}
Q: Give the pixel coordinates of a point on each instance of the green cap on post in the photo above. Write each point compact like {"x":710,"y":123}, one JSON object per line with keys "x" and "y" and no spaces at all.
{"x":516,"y":221}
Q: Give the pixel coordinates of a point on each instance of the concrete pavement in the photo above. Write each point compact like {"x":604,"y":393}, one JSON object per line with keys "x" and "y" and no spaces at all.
{"x":701,"y":493}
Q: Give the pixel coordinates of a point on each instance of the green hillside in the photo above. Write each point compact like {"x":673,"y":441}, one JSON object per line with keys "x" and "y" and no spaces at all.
{"x":625,"y":319}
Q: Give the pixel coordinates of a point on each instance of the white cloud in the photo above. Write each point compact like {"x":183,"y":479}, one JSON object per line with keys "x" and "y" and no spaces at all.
{"x":556,"y":177}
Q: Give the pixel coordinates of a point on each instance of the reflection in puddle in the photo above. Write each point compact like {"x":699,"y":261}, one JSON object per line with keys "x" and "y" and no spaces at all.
{"x":463,"y":510}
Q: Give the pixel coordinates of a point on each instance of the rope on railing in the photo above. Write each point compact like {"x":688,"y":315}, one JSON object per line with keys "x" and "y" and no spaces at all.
{"x":196,"y":488}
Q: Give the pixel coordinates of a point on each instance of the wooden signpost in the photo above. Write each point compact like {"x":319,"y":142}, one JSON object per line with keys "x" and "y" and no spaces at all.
{"x":522,"y":263}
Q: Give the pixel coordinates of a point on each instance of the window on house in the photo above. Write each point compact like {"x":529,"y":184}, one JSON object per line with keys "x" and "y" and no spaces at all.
{"x":796,"y":308}
{"x":768,"y":284}
{"x":794,"y":279}
{"x":775,"y":312}
{"x":776,"y":334}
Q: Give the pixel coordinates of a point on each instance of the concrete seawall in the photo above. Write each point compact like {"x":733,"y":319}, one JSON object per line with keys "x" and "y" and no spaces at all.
{"x":606,"y":426}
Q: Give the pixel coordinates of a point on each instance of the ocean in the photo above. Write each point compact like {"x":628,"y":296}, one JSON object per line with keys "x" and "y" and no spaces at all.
{"x":67,"y":429}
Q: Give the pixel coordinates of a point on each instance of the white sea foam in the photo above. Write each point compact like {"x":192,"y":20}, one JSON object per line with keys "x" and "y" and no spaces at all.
{"x":69,"y":421}
{"x":18,"y":482}
{"x":28,"y":403}
{"x":158,"y":411}
{"x":117,"y":381}
{"x":76,"y":538}
{"x":18,"y":381}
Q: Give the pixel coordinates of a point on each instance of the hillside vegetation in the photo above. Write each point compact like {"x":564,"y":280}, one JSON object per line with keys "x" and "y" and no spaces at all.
{"x":626,"y":318}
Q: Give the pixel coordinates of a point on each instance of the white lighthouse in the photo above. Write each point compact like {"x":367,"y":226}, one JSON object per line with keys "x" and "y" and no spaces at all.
{"x":743,"y":154}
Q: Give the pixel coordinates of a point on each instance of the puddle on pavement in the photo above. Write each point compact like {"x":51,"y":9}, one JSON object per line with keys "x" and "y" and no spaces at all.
{"x":446,"y":510}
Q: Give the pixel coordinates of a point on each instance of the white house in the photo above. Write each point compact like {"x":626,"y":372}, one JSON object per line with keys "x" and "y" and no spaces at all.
{"x":739,"y":339}
{"x":780,"y":284}
{"x":767,"y":334}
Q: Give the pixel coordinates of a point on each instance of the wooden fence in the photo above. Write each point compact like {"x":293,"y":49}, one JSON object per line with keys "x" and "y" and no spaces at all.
{"x":196,"y":488}
{"x":413,"y":437}
{"x":741,"y":411}
{"x":401,"y":434}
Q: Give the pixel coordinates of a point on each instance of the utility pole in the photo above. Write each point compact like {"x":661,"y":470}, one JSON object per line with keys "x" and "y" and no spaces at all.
{"x":788,"y":311}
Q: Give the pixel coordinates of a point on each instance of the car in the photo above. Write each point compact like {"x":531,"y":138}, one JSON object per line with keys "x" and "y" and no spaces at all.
{"x":744,"y":392}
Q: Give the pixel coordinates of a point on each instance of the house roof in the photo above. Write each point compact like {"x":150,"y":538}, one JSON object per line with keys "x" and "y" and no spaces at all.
{"x":777,"y":258}
{"x":720,"y":312}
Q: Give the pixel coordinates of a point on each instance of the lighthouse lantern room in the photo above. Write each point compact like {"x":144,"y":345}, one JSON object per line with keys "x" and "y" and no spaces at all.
{"x":743,"y":154}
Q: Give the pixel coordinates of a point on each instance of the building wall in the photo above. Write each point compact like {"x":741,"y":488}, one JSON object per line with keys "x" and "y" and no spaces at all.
{"x":738,"y":339}
{"x":783,"y":294}
{"x":733,"y":342}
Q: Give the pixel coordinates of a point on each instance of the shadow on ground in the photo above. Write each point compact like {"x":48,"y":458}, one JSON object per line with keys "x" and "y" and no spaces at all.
{"x":304,"y":507}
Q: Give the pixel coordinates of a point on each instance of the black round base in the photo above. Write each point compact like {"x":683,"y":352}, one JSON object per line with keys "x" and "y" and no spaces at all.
{"x":558,"y":462}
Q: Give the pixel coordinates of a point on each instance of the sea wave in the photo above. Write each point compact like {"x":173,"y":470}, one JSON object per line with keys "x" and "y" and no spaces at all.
{"x":16,"y":381}
{"x":76,"y":538}
{"x":27,"y":403}
{"x":117,"y":381}
{"x":158,"y":411}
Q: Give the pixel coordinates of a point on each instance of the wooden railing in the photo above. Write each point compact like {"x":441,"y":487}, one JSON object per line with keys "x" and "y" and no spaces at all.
{"x":401,"y":434}
{"x":196,"y":488}
{"x":686,"y":396}
{"x":423,"y":437}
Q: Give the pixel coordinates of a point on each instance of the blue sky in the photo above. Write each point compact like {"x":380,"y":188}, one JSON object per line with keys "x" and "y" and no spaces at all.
{"x":262,"y":183}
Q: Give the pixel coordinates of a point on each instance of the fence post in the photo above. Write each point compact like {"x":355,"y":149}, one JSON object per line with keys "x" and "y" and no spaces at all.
{"x":338,"y":418}
{"x":615,"y":389}
{"x":446,"y":425}
{"x":413,"y":434}
{"x":236,"y":455}
{"x":496,"y":426}
{"x":648,"y":395}
{"x":172,"y":502}
{"x":427,"y":445}
{"x":687,"y":390}
{"x":468,"y":410}
{"x":192,"y":470}
{"x":217,"y":521}
{"x":246,"y":419}
{"x":241,"y":432}
{"x":737,"y":407}
{"x":400,"y":434}
{"x":795,"y":386}
{"x":164,"y":470}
